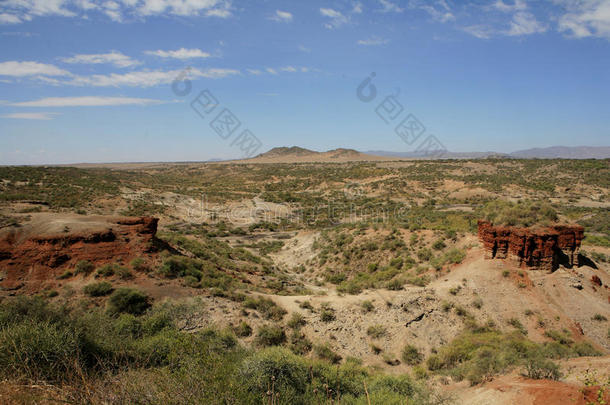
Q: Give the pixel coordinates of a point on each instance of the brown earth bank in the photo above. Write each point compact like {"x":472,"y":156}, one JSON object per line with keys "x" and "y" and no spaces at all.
{"x":508,"y":390}
{"x":44,"y":247}
{"x":542,"y":248}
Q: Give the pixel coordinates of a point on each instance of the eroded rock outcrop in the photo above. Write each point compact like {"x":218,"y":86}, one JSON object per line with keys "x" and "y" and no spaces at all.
{"x":541,"y":248}
{"x":48,"y":245}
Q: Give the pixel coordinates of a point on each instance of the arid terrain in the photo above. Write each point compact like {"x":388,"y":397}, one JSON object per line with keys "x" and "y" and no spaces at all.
{"x":360,"y":270}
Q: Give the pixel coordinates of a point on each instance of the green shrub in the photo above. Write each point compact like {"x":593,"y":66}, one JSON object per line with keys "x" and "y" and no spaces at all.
{"x":559,"y":337}
{"x":376,"y":331}
{"x":296,"y":321}
{"x":270,"y":335}
{"x":84,"y":267}
{"x":123,"y":272}
{"x":454,"y":256}
{"x":106,"y":270}
{"x":325,"y":352}
{"x":128,"y":300}
{"x":439,"y":244}
{"x":585,"y":349}
{"x":515,"y":323}
{"x":66,"y":274}
{"x":539,"y":368}
{"x":424,"y":254}
{"x":599,"y":318}
{"x":139,"y":264}
{"x":394,"y":284}
{"x":349,"y":287}
{"x":327,"y":314}
{"x":306,"y":305}
{"x":411,"y":355}
{"x":367,"y":306}
{"x":243,"y":329}
{"x":266,"y":306}
{"x":288,"y":373}
{"x":39,"y":351}
{"x":98,"y":289}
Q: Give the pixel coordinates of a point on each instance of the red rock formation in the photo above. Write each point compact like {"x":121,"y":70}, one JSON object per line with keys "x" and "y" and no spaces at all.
{"x":47,"y":247}
{"x":543,"y":248}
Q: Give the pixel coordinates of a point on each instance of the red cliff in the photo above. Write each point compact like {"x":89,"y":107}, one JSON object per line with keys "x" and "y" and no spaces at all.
{"x":542,"y":248}
{"x":46,"y":246}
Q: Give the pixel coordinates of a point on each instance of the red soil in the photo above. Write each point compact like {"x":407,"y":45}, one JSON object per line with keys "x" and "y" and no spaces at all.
{"x":35,"y":253}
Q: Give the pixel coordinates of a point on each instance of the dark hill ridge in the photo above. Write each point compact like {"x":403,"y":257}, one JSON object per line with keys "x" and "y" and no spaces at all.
{"x":287,"y":151}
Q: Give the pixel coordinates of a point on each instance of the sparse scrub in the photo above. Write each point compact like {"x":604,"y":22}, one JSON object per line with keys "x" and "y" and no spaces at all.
{"x":376,"y":331}
{"x":367,"y":306}
{"x":266,"y":306}
{"x":128,"y":300}
{"x":84,"y":267}
{"x":296,"y":321}
{"x":411,"y":355}
{"x":325,"y":352}
{"x":270,"y":335}
{"x":98,"y":289}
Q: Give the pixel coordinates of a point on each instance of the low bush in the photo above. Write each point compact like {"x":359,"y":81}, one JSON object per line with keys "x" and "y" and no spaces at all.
{"x":367,"y":306}
{"x":84,"y":267}
{"x":266,"y":306}
{"x":243,"y":329}
{"x":539,"y":368}
{"x":128,"y":300}
{"x":325,"y":352}
{"x":270,"y":335}
{"x":376,"y":331}
{"x":98,"y":289}
{"x":296,"y":321}
{"x":411,"y":355}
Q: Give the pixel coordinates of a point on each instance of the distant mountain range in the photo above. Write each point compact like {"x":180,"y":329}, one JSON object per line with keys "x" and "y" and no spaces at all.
{"x":552,"y":152}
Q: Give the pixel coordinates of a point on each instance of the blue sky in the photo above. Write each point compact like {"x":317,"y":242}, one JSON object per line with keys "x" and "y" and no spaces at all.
{"x":91,"y":81}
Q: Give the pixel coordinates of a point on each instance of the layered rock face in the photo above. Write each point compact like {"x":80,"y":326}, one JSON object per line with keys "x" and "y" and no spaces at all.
{"x":45,"y":247}
{"x":541,"y":248}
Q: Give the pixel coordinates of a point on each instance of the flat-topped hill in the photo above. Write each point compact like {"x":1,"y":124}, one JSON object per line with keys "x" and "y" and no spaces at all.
{"x":296,"y":154}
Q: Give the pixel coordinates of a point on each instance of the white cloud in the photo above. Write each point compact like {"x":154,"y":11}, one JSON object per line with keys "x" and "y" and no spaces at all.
{"x":255,"y":72}
{"x":586,"y":18}
{"x":30,"y":116}
{"x":373,"y":41}
{"x":6,"y":18}
{"x":219,"y":12}
{"x":281,"y":16}
{"x":479,"y":31}
{"x":20,"y":69}
{"x":290,"y":69}
{"x":304,"y":49}
{"x":390,"y":7}
{"x":181,"y":54}
{"x":509,"y":8}
{"x":16,"y":11}
{"x":357,"y":8}
{"x":439,"y":10}
{"x":148,"y":78}
{"x":337,"y":18}
{"x":114,"y":58}
{"x":524,"y":23}
{"x":88,"y":101}
{"x":216,"y":8}
{"x":271,"y":70}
